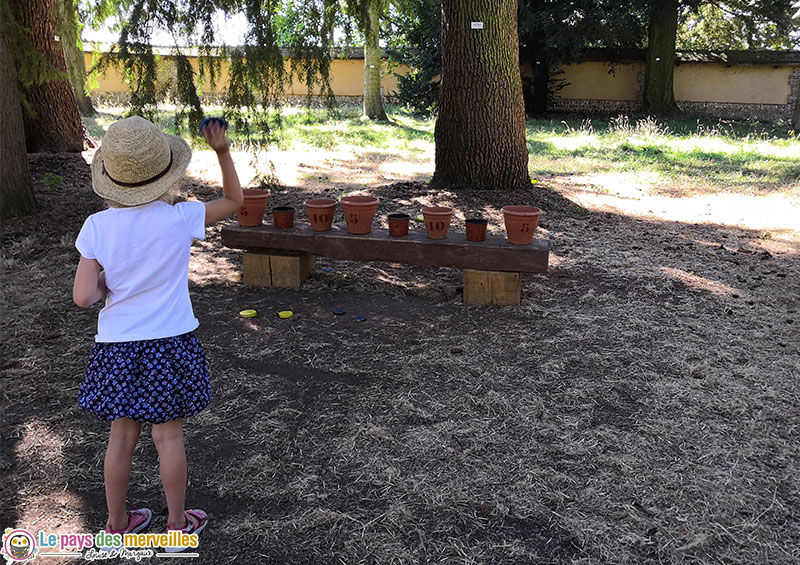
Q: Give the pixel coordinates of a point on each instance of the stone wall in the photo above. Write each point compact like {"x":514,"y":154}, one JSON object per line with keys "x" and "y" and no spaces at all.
{"x":113,"y":99}
{"x":584,"y":106}
{"x":794,"y":97}
{"x":763,"y":112}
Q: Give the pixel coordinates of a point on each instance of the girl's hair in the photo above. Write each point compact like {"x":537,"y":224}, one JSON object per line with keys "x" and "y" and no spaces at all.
{"x":170,"y":196}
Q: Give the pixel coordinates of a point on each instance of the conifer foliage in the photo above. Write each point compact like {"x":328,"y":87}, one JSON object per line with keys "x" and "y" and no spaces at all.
{"x":257,"y":73}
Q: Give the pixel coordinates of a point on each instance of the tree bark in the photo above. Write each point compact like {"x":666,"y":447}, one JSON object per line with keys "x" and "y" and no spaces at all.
{"x":73,"y":54}
{"x":541,"y":84}
{"x":536,"y":89}
{"x":659,"y":73}
{"x":16,"y":187}
{"x":55,"y":125}
{"x":373,"y":103}
{"x":480,"y":132}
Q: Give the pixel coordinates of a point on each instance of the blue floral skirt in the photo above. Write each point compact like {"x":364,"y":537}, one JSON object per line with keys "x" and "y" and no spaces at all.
{"x":156,"y":380}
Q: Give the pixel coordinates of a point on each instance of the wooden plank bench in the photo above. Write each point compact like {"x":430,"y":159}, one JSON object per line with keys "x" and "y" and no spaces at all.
{"x":284,"y":258}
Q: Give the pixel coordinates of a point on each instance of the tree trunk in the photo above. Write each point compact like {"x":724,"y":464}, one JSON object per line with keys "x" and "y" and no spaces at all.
{"x":73,"y":54}
{"x":541,"y":84}
{"x":659,"y":73}
{"x":536,"y":88}
{"x":55,"y":125}
{"x":373,"y":104}
{"x":16,"y":188}
{"x":480,"y":132}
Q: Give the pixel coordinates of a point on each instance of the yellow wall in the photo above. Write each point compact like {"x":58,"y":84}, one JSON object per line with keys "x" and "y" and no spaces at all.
{"x":109,"y":81}
{"x":743,"y":84}
{"x":592,"y":81}
{"x":694,"y":82}
{"x":347,"y":78}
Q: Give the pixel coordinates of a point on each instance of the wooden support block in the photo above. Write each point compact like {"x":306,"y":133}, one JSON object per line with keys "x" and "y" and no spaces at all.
{"x":288,"y":271}
{"x":256,"y":269}
{"x":284,"y":270}
{"x":498,"y":288}
{"x":309,"y":264}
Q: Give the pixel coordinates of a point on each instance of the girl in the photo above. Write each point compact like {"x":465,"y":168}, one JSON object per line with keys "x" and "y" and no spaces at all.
{"x":146,"y":364}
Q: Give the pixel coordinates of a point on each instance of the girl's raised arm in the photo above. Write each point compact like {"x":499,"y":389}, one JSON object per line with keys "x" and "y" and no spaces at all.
{"x":214,"y":134}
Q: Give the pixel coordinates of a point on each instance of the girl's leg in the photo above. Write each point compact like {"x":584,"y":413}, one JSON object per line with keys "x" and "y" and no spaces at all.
{"x":168,"y":438}
{"x":119,"y":454}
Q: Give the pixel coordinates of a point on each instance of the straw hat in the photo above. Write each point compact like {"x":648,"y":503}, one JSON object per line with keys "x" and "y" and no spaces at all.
{"x":138,"y":162}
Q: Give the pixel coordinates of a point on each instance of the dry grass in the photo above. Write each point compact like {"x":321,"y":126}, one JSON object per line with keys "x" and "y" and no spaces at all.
{"x":641,"y":406}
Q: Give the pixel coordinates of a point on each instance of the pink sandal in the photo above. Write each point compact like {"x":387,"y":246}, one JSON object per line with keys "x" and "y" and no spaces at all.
{"x":196,"y":522}
{"x":138,"y":520}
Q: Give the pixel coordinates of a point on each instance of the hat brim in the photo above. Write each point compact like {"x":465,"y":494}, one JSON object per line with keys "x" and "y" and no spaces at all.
{"x":104,"y":187}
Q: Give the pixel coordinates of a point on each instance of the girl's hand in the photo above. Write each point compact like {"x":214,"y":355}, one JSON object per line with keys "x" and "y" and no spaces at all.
{"x":213,"y":130}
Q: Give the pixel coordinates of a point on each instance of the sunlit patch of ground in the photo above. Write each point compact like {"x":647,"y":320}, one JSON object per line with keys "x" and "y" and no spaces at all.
{"x":311,"y":168}
{"x":314,"y":152}
{"x":574,"y":142}
{"x":645,"y":194}
{"x":749,"y":162}
{"x":632,"y":194}
{"x":702,"y":283}
{"x":46,"y":503}
{"x":720,"y":145}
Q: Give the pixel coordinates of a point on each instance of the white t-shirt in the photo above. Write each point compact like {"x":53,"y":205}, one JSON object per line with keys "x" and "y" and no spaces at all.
{"x":145,"y":252}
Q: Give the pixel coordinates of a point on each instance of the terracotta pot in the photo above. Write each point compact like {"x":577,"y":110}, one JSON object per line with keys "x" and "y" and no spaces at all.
{"x":476,"y":229}
{"x":521,"y":222}
{"x":359,"y":211}
{"x":320,"y":213}
{"x":437,"y":221}
{"x":398,"y":224}
{"x":283,"y":217}
{"x":252,"y":210}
